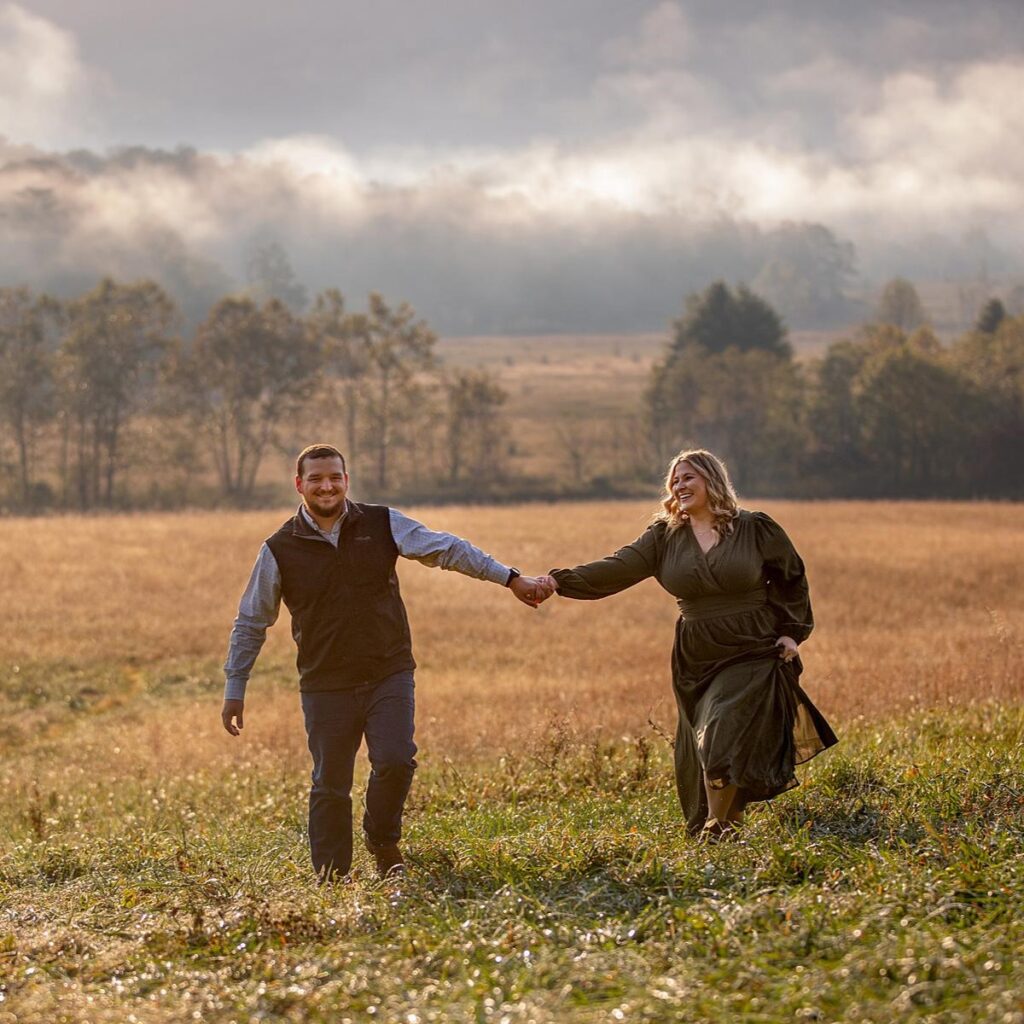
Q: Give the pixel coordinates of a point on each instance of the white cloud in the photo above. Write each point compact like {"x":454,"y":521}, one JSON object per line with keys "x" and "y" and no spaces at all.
{"x":925,"y":152}
{"x":974,"y":123}
{"x":44,"y":86}
{"x":922,"y":154}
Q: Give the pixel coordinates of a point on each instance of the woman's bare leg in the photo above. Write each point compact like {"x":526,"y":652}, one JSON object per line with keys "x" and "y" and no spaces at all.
{"x":719,"y":800}
{"x":737,"y":805}
{"x":725,"y":807}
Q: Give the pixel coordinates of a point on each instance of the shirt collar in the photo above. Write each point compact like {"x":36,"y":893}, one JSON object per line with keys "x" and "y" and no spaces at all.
{"x":310,"y":521}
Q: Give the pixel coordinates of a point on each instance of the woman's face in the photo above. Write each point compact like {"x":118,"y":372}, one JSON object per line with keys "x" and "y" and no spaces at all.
{"x":689,"y":488}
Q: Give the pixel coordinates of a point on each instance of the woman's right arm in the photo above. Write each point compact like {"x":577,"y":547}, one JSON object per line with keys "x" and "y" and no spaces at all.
{"x":628,"y":566}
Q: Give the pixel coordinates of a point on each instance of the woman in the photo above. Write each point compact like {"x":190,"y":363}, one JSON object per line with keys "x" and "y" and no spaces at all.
{"x":744,"y":721}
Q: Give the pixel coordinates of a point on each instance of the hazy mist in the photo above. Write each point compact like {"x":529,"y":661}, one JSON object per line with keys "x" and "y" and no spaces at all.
{"x":572,"y":169}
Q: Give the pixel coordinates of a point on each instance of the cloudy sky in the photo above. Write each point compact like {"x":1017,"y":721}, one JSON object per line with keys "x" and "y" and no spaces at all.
{"x":379,"y":143}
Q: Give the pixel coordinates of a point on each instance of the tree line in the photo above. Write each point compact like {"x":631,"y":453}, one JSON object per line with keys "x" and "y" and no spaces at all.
{"x":103,"y":404}
{"x":889,"y":412}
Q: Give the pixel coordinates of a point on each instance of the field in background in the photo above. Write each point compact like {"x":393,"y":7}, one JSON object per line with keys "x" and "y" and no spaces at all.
{"x":150,"y":865}
{"x":915,"y":603}
{"x":564,"y":390}
{"x":568,"y":390}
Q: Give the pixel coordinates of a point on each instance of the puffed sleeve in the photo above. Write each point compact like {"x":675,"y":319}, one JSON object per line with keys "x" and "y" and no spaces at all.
{"x":788,"y":594}
{"x":628,"y":566}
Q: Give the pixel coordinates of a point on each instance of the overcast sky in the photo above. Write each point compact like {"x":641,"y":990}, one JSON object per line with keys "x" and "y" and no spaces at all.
{"x":883,"y":121}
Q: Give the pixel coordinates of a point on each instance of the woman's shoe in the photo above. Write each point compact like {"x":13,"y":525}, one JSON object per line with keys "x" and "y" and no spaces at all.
{"x":717,"y":829}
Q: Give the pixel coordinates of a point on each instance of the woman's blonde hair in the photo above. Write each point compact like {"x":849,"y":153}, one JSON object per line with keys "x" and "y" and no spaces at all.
{"x":721,"y":496}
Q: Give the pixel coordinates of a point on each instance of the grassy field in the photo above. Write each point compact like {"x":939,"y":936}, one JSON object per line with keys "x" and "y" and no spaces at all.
{"x":152,"y":868}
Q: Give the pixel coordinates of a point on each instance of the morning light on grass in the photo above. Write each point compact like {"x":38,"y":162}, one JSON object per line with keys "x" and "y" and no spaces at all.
{"x":154,"y":869}
{"x":502,"y":270}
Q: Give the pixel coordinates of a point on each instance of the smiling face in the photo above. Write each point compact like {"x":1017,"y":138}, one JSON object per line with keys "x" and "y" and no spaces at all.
{"x":689,"y":488}
{"x":323,"y":486}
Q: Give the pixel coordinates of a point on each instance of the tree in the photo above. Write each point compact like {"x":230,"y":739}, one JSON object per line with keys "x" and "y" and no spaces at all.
{"x":835,"y":445}
{"x":579,"y":441}
{"x":345,"y":343}
{"x":900,"y":305}
{"x":109,"y":361}
{"x":991,"y":316}
{"x":719,"y":318}
{"x":473,"y":401}
{"x":994,"y":365}
{"x":728,"y":383}
{"x":252,"y":367}
{"x":27,"y":342}
{"x":746,"y":406}
{"x":918,"y":422}
{"x":807,"y":273}
{"x":269,"y":275}
{"x":398,"y":346}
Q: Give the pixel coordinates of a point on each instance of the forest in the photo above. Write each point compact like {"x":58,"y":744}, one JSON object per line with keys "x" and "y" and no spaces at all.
{"x":106,"y":403}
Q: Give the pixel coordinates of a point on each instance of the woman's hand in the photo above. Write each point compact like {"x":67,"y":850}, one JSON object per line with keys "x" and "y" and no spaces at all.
{"x":789,"y":649}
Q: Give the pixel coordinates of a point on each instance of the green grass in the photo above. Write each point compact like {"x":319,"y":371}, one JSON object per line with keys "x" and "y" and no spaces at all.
{"x":555,"y":885}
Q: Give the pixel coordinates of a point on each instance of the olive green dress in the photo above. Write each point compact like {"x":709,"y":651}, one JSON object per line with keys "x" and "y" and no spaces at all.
{"x":743,"y":717}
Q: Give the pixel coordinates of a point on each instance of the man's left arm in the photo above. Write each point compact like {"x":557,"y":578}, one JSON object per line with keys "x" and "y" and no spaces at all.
{"x":447,"y":551}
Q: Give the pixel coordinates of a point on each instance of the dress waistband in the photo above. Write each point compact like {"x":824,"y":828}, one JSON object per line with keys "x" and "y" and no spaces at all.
{"x":714,"y":606}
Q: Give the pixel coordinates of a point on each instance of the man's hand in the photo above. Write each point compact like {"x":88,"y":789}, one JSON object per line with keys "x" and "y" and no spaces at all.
{"x":530,"y":590}
{"x":231,"y":716}
{"x":789,"y":649}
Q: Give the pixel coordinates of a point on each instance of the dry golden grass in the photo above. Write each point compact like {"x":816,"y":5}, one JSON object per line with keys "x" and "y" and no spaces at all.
{"x":915,"y":604}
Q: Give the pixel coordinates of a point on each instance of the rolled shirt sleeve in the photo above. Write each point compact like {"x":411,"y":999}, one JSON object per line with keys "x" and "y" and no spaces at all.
{"x":257,"y":612}
{"x":444,"y":550}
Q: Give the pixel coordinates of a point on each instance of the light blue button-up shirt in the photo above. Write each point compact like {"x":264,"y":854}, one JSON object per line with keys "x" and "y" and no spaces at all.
{"x":261,"y":602}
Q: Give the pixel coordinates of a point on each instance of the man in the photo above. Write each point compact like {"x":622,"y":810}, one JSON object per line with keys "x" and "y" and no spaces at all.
{"x":333,"y":564}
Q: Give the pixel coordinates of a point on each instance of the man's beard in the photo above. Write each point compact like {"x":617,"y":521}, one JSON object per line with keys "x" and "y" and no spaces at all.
{"x":321,"y":510}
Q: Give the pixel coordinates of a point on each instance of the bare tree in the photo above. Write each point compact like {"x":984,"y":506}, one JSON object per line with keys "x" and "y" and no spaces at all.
{"x":28,"y":326}
{"x":109,"y":360}
{"x":251,"y":368}
{"x":344,"y":339}
{"x":579,"y":440}
{"x":473,"y":402}
{"x":399,"y":346}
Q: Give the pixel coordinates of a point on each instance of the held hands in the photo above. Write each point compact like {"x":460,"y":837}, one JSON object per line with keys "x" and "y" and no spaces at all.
{"x":533,"y":590}
{"x":789,"y":649}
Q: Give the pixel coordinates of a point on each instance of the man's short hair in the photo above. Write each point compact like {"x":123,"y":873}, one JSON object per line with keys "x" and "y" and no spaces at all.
{"x":318,"y":451}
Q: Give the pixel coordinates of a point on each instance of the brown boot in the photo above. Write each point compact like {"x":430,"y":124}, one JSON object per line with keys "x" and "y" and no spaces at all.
{"x":388,"y":858}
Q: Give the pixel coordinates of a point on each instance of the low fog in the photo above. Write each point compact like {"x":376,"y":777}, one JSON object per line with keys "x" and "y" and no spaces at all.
{"x":578,"y":171}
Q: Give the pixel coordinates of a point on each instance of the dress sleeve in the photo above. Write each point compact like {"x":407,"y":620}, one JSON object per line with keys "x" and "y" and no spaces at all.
{"x":788,"y":594}
{"x":629,"y":565}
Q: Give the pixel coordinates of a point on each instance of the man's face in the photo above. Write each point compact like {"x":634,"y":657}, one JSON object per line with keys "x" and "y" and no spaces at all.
{"x":323,"y":486}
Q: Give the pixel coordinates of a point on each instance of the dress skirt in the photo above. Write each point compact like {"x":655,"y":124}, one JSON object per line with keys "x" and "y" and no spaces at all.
{"x":744,"y":719}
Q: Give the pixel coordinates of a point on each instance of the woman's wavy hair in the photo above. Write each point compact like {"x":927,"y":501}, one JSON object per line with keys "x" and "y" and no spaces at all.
{"x":722,"y":498}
